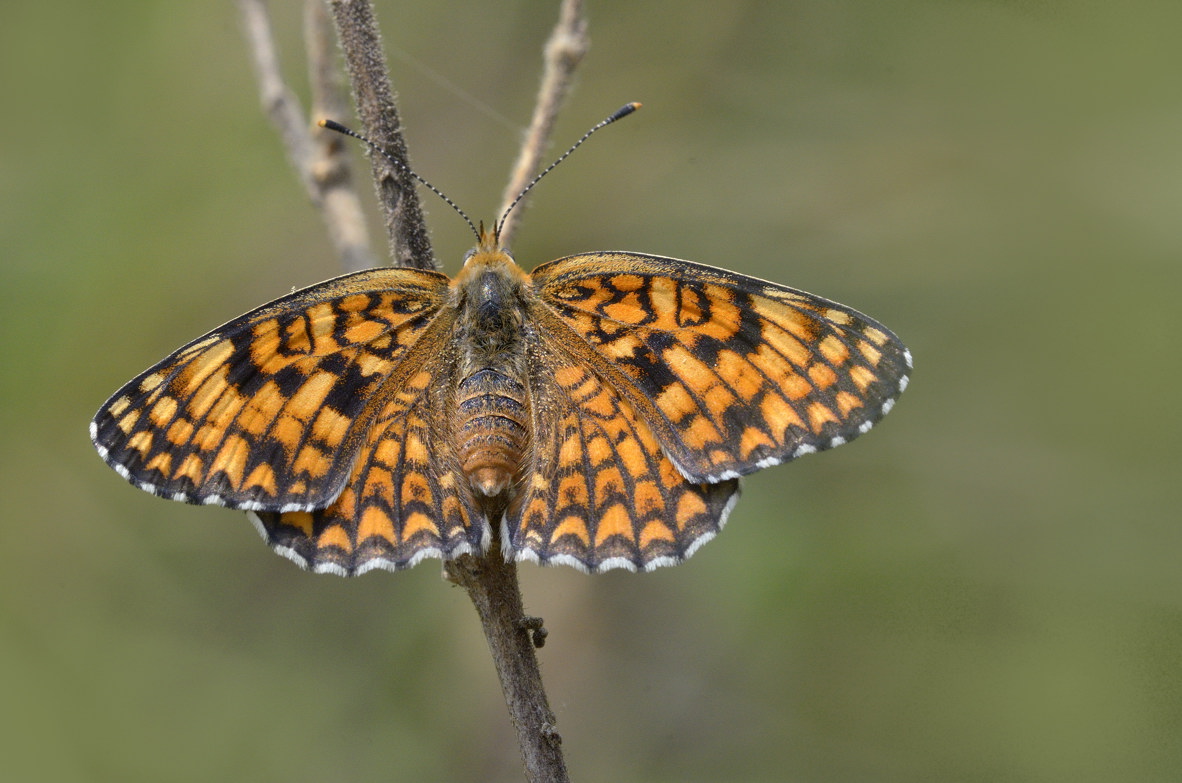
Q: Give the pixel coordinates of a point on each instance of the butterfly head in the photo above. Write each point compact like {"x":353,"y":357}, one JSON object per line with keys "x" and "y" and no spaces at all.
{"x":489,"y":264}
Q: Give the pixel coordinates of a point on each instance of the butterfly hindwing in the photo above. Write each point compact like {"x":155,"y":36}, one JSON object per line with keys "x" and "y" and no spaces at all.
{"x":405,"y":498}
{"x":598,"y":491}
{"x":267,"y":411}
{"x":733,"y":373}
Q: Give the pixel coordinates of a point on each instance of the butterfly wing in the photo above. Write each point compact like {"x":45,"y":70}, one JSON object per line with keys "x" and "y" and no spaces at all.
{"x":732,"y":373}
{"x":598,"y":492}
{"x":268,"y":411}
{"x":406,"y":498}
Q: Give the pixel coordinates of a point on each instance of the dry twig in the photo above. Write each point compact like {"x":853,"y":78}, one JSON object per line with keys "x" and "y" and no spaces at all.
{"x":491,"y":582}
{"x":563,"y":53}
{"x":330,"y":161}
{"x":357,"y":29}
{"x":317,"y":156}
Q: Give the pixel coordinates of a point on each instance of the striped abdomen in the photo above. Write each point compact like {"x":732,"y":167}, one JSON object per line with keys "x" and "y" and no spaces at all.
{"x":492,"y":432}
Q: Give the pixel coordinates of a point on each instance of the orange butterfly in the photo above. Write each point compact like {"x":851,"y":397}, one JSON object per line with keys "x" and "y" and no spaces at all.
{"x":600,"y":409}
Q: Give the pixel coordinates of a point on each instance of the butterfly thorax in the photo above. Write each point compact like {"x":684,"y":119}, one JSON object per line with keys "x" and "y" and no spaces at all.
{"x":493,"y":418}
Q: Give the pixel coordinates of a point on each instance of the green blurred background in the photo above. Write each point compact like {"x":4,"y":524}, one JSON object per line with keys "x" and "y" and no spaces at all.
{"x":986,"y":588}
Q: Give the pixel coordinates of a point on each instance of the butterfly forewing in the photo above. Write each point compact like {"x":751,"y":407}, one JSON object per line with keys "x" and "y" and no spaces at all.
{"x":267,"y":412}
{"x":732,"y":373}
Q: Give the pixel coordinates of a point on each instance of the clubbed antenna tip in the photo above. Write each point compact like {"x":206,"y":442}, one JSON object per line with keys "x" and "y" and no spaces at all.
{"x":623,"y":112}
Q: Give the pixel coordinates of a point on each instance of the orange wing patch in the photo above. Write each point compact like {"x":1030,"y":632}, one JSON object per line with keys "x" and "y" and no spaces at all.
{"x":732,"y":373}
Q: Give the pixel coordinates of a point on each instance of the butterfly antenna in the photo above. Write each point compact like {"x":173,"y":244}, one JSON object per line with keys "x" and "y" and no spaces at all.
{"x":620,"y":114}
{"x":336,"y":126}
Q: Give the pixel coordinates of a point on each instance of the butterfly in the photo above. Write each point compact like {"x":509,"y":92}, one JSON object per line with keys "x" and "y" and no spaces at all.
{"x":597,"y":412}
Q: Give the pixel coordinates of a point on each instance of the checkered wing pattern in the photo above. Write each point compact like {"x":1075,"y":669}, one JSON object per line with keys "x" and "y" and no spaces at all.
{"x":405,"y":499}
{"x":599,"y":492}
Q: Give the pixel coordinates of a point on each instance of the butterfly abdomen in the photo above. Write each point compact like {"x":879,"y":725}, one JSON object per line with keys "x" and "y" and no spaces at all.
{"x":492,"y":421}
{"x":492,"y":429}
